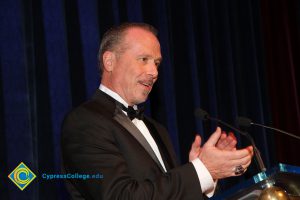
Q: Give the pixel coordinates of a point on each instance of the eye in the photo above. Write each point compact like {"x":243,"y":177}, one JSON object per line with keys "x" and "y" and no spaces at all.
{"x":157,"y":63}
{"x":144,"y":59}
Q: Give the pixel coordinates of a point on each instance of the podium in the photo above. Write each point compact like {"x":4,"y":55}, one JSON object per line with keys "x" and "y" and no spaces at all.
{"x":284,"y":176}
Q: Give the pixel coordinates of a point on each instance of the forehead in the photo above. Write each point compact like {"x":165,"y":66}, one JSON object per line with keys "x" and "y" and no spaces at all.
{"x":140,"y":38}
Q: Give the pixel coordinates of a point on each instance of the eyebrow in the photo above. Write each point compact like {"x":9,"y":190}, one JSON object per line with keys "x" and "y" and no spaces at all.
{"x":149,"y":56}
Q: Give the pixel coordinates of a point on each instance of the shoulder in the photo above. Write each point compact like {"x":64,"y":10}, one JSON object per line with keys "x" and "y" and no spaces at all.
{"x":91,"y":122}
{"x":93,"y":114}
{"x":100,"y":105}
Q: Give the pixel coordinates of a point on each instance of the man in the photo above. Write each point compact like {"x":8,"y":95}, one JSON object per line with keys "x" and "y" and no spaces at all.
{"x":135,"y":155}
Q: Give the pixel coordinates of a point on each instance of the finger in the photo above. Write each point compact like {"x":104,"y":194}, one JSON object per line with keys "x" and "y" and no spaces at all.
{"x":231,"y":145}
{"x":244,"y":166}
{"x":227,"y":143}
{"x":239,"y":154}
{"x":224,"y":138}
{"x":222,"y":143}
{"x":250,"y":150}
{"x":213,"y":139}
{"x":230,"y":134}
{"x":244,"y":162}
{"x":232,"y":140}
{"x":195,"y":148}
{"x":247,"y":164}
{"x":240,"y":174}
{"x":197,"y":143}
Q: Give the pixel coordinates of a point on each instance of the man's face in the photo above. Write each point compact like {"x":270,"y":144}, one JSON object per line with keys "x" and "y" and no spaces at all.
{"x":135,"y":68}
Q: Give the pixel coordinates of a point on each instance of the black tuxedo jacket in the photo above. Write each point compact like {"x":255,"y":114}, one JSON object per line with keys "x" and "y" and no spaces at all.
{"x":98,"y":138}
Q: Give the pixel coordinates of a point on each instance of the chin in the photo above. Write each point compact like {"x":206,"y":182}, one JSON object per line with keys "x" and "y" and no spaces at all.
{"x":141,"y":99}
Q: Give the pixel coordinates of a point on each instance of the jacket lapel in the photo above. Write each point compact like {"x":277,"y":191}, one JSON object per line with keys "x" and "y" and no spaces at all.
{"x":123,"y":120}
{"x":166,"y":148}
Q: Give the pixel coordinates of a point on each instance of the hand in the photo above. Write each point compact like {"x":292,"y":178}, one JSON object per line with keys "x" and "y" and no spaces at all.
{"x":227,"y":142}
{"x":224,"y":143}
{"x":222,"y":163}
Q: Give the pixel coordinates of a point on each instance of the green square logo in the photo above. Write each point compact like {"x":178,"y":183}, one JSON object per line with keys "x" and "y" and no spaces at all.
{"x":21,"y":176}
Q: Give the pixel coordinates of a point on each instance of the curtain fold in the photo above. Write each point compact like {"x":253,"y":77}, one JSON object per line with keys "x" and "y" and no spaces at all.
{"x":282,"y":43}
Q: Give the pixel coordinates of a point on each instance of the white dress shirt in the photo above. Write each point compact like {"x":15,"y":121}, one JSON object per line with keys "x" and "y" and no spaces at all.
{"x":206,"y":181}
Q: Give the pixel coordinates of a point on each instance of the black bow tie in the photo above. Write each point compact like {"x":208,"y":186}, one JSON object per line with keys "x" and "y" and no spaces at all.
{"x":132,"y":113}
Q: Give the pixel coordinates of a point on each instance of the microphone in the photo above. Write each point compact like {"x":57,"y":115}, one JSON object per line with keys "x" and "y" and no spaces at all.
{"x":246,"y":122}
{"x":202,"y":114}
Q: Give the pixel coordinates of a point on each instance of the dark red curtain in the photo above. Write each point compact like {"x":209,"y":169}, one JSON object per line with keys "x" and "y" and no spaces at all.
{"x":281,"y":26}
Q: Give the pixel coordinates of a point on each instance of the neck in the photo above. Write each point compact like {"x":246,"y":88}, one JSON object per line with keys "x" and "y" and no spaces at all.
{"x":114,"y":95}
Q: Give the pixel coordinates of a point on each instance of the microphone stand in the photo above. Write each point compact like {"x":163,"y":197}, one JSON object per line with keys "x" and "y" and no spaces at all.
{"x":276,"y":129}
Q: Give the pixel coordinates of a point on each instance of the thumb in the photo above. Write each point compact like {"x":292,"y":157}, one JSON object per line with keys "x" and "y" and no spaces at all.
{"x":195,"y":149}
{"x":197,"y":143}
{"x":213,"y":139}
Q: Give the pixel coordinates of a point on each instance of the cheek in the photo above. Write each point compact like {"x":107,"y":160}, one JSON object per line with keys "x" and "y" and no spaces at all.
{"x":125,"y":77}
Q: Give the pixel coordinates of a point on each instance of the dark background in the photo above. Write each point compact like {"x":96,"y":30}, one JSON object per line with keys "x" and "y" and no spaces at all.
{"x":230,"y":57}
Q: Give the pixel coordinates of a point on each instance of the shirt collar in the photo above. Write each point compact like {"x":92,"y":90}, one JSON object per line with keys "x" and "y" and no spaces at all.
{"x":114,"y":95}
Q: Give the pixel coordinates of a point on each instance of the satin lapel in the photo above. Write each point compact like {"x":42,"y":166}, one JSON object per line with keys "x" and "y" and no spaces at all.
{"x":166,"y":142}
{"x":122,"y":119}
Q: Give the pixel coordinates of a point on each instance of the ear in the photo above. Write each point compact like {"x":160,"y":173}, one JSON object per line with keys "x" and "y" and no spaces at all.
{"x":108,"y":60}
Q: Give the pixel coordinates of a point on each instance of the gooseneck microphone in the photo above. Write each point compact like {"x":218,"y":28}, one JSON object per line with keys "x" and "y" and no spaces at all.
{"x":246,"y":122}
{"x":202,"y":114}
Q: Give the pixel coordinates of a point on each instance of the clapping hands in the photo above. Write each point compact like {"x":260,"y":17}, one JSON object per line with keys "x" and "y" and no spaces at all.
{"x":220,"y":156}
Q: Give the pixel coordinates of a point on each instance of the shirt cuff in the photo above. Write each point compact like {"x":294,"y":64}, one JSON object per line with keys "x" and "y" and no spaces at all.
{"x":208,"y":185}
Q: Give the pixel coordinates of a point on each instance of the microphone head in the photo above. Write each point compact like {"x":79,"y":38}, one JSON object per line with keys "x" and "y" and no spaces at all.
{"x":202,"y":114}
{"x":244,"y":122}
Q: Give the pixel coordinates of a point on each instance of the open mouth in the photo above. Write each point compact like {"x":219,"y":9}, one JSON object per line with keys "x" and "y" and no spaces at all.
{"x":147,"y":84}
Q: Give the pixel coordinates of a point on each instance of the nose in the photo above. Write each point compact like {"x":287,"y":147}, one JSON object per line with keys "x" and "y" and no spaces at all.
{"x":153,"y":69}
